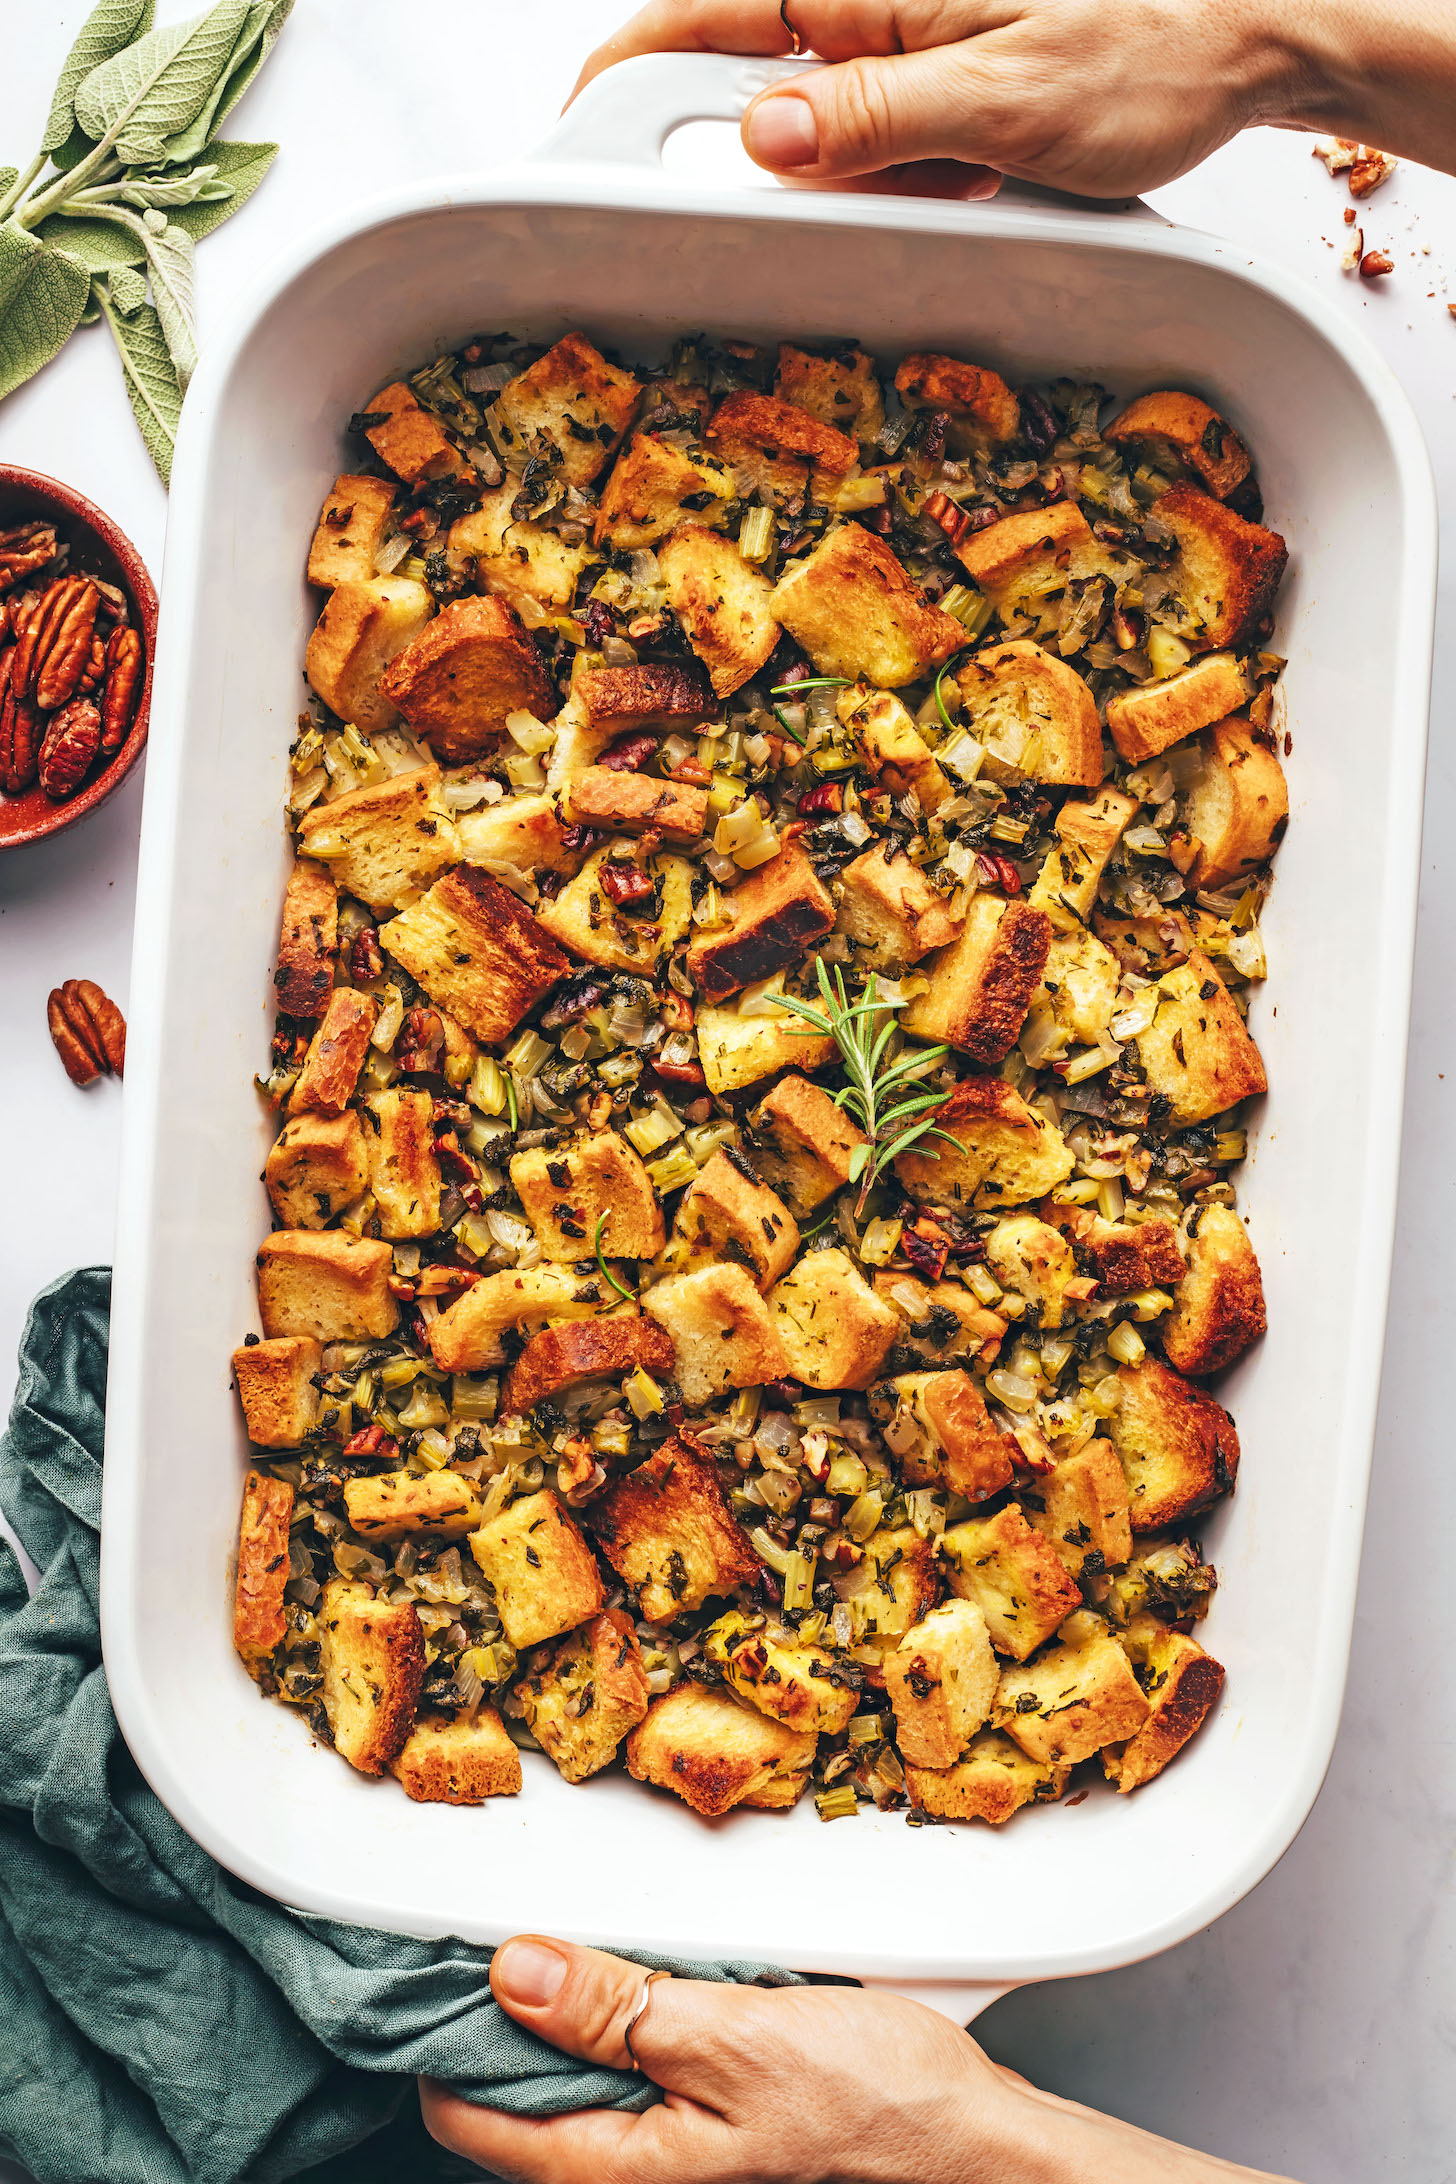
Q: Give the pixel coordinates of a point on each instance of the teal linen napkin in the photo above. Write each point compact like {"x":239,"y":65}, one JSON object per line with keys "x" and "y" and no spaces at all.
{"x":160,"y":2022}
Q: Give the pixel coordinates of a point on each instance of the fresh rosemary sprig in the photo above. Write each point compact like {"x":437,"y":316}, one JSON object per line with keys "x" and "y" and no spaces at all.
{"x":873,"y":1096}
{"x":629,"y":1294}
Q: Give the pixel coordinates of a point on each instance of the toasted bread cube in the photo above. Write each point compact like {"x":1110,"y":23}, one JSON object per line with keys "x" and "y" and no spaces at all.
{"x":945,"y":1436}
{"x":652,"y":488}
{"x":516,"y":560}
{"x":458,"y":1762}
{"x":1227,"y":571}
{"x":1033,"y":713}
{"x":1066,"y":886}
{"x":1008,"y":1152}
{"x":728,"y":1214}
{"x":740,"y":1050}
{"x":855,"y":611}
{"x":1148,"y":946}
{"x":723,"y":1333}
{"x":774,"y":448}
{"x":904,"y":1585}
{"x":668,"y":1532}
{"x":467,"y":1334}
{"x":893,"y":746}
{"x":1014,"y":1576}
{"x":578,"y":744}
{"x":774,"y":915}
{"x":409,"y":440}
{"x":524,"y":831}
{"x":404,"y":1168}
{"x":1179,"y":1449}
{"x":276,"y":1387}
{"x":373,"y":1661}
{"x":1080,"y":985}
{"x":583,"y":1697}
{"x":1218,"y":1310}
{"x":723,"y":603}
{"x":351,"y":528}
{"x":791,"y":1681}
{"x":1197,"y":1052}
{"x":659,"y":695}
{"x":397,"y":1505}
{"x":362,"y":627}
{"x":1183,"y":1683}
{"x":943,"y":1322}
{"x":304,"y":978}
{"x":1182,"y":434}
{"x":536,"y":1561}
{"x":477,"y":951}
{"x":318,"y":1166}
{"x":386,"y":842}
{"x":567,"y":1189}
{"x":716,"y":1752}
{"x":584,"y":918}
{"x":993,"y":1781}
{"x":457,"y":681}
{"x":1151,"y":717}
{"x":1071,"y":1700}
{"x":1238,"y":807}
{"x":941,"y":1679}
{"x":803,"y":1143}
{"x":330,"y":1073}
{"x":332,"y":1286}
{"x":1084,"y":1509}
{"x":1026,"y":559}
{"x":984,"y":411}
{"x":580,"y":402}
{"x":1035,"y":1261}
{"x":840,"y":390}
{"x":835,"y":1330}
{"x":259,"y":1623}
{"x":559,"y":1358}
{"x":981,"y":986}
{"x":890,"y":911}
{"x":1123,"y":1255}
{"x":634,"y":803}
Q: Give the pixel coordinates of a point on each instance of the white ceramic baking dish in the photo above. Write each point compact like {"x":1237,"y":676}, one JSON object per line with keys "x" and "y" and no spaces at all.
{"x":593,"y":233}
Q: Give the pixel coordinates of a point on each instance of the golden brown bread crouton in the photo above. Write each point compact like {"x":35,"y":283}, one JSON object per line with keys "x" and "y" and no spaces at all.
{"x":1218,"y":1310}
{"x":993,"y":1781}
{"x":524,"y":831}
{"x":984,"y":411}
{"x":740,"y":1050}
{"x":1066,"y":886}
{"x":539,"y":1567}
{"x":803,"y":1143}
{"x":1123,"y":1255}
{"x":982,"y":984}
{"x":513,"y":558}
{"x":1033,"y":1259}
{"x":1182,"y":1682}
{"x":351,"y":528}
{"x":317,"y":1167}
{"x":585,"y":919}
{"x":409,"y":440}
{"x":1025,"y":559}
{"x":459,"y":1762}
{"x":724,"y":604}
{"x":1181,"y":434}
{"x":792,"y":1681}
{"x":1079,"y":985}
{"x":304,"y":978}
{"x":384,"y":842}
{"x":258,"y":1619}
{"x":653,"y":486}
{"x":893,"y":746}
{"x":1008,"y":1152}
{"x":1226,"y":569}
{"x":659,"y":695}
{"x":634,"y":803}
{"x":559,"y":1358}
{"x":275,"y":1383}
{"x":726,"y":1213}
{"x":944,"y":1323}
{"x":396,"y":1505}
{"x":467,"y":1334}
{"x":668,"y":1532}
{"x":567,"y":1189}
{"x":404,"y":1168}
{"x":716,"y":1752}
{"x":945,"y":1436}
{"x":1084,"y":1508}
{"x":458,"y":679}
{"x":1033,"y":713}
{"x":842,"y":390}
{"x":1151,"y":717}
{"x":330,"y":1072}
{"x":1071,"y":1700}
{"x":941,"y":1679}
{"x":575,"y":399}
{"x":362,"y":627}
{"x":773,"y":916}
{"x":330,"y":1285}
{"x":1014,"y":1576}
{"x":1197,"y":1051}
{"x":890,"y":911}
{"x":723,"y":1333}
{"x":1238,"y":807}
{"x":1179,"y":1449}
{"x":373,"y":1661}
{"x":855,"y":611}
{"x":774,"y":448}
{"x":477,"y":951}
{"x":834,"y":1329}
{"x":902,"y":1582}
{"x":583,"y":1697}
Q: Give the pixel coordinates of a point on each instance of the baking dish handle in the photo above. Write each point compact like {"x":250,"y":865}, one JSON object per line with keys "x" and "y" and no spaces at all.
{"x":960,"y":2000}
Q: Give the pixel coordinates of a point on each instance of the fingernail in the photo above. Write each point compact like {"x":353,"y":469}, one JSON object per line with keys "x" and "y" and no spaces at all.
{"x":782,"y":132}
{"x":530,"y":1973}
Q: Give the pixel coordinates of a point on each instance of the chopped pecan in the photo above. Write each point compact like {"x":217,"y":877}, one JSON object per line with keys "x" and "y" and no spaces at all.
{"x":25,"y":548}
{"x":422,"y":1041}
{"x":113,"y":605}
{"x":71,"y":743}
{"x":366,"y":957}
{"x":87,"y":1030}
{"x":64,"y":652}
{"x":19,"y":733}
{"x":123,"y":679}
{"x":94,"y":672}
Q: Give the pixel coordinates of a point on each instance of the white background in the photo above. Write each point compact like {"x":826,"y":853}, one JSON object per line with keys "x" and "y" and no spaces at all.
{"x":1312,"y":2030}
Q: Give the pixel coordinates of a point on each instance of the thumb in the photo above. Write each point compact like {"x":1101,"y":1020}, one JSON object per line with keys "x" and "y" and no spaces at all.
{"x":861,"y":116}
{"x":583,"y":2000}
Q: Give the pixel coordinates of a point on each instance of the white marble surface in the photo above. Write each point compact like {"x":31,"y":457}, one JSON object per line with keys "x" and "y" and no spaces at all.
{"x":1312,"y":2030}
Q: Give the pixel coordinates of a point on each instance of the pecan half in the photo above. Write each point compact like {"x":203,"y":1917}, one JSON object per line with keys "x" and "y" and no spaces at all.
{"x":113,"y":604}
{"x":366,"y":957}
{"x":67,"y":652}
{"x":25,"y":548}
{"x":87,"y":1030}
{"x":123,"y":680}
{"x":95,"y":669}
{"x":71,"y":743}
{"x":16,"y":610}
{"x":41,"y":624}
{"x":19,"y":733}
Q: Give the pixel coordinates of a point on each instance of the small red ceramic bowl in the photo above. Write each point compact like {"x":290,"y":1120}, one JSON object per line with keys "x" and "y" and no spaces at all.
{"x":97,"y":549}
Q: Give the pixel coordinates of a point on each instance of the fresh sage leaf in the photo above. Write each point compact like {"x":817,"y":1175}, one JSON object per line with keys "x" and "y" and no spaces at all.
{"x":42,"y":297}
{"x":242,"y":167}
{"x":99,"y":243}
{"x":170,"y":262}
{"x":170,"y":190}
{"x":151,"y":383}
{"x":155,"y":88}
{"x":92,"y":311}
{"x":127,"y":289}
{"x":109,"y":28}
{"x":9,"y":176}
{"x":256,"y":41}
{"x":77,"y":147}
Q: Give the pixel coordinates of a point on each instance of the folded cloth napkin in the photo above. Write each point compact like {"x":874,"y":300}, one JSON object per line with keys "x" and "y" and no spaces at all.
{"x":161,"y":2023}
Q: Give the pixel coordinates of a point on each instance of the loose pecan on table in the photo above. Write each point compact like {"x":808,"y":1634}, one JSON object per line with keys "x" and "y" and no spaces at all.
{"x":71,"y":743}
{"x":123,"y":680}
{"x":19,"y":732}
{"x":24,"y":548}
{"x":87,"y":1030}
